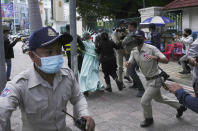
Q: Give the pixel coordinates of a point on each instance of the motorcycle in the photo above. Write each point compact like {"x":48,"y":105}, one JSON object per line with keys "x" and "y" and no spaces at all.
{"x":25,"y":46}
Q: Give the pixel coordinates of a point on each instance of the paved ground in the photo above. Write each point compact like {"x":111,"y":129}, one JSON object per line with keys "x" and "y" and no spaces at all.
{"x":172,"y":69}
{"x":121,"y":111}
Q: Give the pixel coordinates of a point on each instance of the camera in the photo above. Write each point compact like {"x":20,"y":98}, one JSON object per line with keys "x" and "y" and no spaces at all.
{"x":121,"y":33}
{"x":81,"y":123}
{"x":164,"y":75}
{"x":121,"y":30}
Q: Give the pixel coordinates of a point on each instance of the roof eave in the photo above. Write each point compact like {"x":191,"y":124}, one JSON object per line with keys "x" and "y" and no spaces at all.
{"x":178,"y":8}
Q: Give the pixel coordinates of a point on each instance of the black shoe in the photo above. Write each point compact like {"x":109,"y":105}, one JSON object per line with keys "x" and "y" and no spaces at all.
{"x":140,"y":94}
{"x":127,"y":78}
{"x":180,"y":111}
{"x":109,"y":89}
{"x":86,"y":94}
{"x":100,"y":90}
{"x":188,"y":68}
{"x":184,"y":72}
{"x":147,"y":122}
{"x":134,"y":86}
{"x":120,"y":85}
{"x":8,"y":79}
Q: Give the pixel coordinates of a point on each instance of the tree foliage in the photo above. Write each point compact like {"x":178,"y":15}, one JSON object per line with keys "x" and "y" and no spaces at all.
{"x":114,"y":8}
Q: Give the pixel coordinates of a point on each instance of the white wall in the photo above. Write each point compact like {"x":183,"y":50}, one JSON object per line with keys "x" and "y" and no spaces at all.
{"x":194,"y":25}
{"x":47,"y":3}
{"x":78,"y":23}
{"x":149,"y":12}
{"x":186,"y":18}
{"x":58,"y":24}
{"x":190,"y":18}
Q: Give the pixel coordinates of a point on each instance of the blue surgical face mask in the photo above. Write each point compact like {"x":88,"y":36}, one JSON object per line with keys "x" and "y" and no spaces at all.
{"x":51,"y":64}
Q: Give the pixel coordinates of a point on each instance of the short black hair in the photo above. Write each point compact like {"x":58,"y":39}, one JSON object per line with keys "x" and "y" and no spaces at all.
{"x":188,"y":30}
{"x":152,"y":26}
{"x":5,"y":31}
{"x":67,"y":27}
{"x":134,"y":24}
{"x":104,"y":36}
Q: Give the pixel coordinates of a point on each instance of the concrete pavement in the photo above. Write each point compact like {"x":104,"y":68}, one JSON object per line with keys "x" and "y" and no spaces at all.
{"x":121,"y":111}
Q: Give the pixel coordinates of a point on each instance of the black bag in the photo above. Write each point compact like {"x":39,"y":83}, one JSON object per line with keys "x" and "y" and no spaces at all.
{"x":164,"y":74}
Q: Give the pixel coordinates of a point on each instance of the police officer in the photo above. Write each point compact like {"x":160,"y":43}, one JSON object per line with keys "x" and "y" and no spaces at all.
{"x":147,"y":58}
{"x":43,"y":91}
{"x":80,"y":49}
{"x":155,"y":36}
{"x":128,"y":44}
{"x":118,"y":35}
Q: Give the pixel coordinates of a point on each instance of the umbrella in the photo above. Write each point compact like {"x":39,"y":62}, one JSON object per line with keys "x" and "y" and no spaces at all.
{"x":158,"y":21}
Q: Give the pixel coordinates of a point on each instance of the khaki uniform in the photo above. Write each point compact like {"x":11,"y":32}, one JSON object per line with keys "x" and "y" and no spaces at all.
{"x":193,"y":52}
{"x":150,"y":68}
{"x":41,"y":104}
{"x":187,"y":41}
{"x":128,"y":43}
{"x":119,"y":54}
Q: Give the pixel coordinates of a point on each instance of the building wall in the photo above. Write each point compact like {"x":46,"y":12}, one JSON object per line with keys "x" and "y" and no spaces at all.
{"x":58,"y":24}
{"x":21,"y":14}
{"x":78,"y":22}
{"x":149,"y":12}
{"x":61,"y":19}
{"x":194,"y":24}
{"x":190,"y":18}
{"x":47,"y":16}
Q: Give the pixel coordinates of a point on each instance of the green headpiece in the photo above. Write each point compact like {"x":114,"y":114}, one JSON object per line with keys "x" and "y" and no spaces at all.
{"x":86,"y":33}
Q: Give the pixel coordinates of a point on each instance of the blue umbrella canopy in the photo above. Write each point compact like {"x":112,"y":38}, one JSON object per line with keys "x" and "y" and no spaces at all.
{"x":158,"y":21}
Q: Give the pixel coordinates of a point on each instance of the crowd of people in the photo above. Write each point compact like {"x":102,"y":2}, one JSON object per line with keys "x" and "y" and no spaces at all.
{"x":48,"y":86}
{"x":129,"y":45}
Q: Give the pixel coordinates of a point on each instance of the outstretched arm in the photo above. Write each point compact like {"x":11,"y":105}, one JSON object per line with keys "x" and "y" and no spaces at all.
{"x":184,"y":97}
{"x":9,"y":99}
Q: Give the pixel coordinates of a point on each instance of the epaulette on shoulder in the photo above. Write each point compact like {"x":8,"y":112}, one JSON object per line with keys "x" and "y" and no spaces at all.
{"x":20,"y":76}
{"x":67,"y":71}
{"x":150,"y":46}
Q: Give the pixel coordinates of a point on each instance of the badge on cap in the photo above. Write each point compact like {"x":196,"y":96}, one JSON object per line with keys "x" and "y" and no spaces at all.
{"x":51,"y":32}
{"x":5,"y":92}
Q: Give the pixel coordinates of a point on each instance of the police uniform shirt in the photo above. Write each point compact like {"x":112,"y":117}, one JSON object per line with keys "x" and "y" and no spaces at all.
{"x":116,"y":36}
{"x":187,"y":41}
{"x":128,"y":42}
{"x":41,"y":104}
{"x":148,"y":67}
{"x":193,"y":52}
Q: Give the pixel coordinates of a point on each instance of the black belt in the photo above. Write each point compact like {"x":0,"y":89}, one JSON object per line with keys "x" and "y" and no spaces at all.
{"x":154,"y":77}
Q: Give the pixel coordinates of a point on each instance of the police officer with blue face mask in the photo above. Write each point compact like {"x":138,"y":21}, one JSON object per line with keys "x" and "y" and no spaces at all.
{"x":42,"y":92}
{"x":147,"y":58}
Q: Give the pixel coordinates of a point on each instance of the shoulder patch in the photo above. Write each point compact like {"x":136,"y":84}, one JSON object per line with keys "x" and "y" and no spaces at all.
{"x":5,"y":92}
